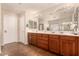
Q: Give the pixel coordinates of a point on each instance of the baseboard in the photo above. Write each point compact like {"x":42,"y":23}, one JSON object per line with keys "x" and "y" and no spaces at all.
{"x":14,"y":42}
{"x":22,"y":43}
{"x":8,"y":43}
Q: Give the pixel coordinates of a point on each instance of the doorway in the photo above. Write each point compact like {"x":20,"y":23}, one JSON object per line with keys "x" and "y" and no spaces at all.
{"x":22,"y":28}
{"x":9,"y":28}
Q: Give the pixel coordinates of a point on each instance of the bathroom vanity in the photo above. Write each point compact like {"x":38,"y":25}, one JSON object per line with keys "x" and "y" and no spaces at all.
{"x":61,"y":44}
{"x":66,"y":41}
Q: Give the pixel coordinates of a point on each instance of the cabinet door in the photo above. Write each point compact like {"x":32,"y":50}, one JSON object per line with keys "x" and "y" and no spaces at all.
{"x":54,"y":44}
{"x":33,"y":39}
{"x":68,"y":46}
{"x":78,"y":46}
{"x":42,"y":41}
{"x":43,"y":45}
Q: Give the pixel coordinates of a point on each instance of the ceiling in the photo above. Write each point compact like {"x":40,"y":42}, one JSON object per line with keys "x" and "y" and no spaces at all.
{"x":29,"y":7}
{"x":45,"y":9}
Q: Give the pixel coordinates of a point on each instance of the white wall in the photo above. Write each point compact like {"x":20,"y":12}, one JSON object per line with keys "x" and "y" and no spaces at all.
{"x":30,"y":16}
{"x":33,"y":17}
{"x":0,"y":28}
{"x":27,"y":16}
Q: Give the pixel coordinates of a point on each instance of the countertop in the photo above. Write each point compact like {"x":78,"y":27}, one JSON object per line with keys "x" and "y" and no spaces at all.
{"x":57,"y":33}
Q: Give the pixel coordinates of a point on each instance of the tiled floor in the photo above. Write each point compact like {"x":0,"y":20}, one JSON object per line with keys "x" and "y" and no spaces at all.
{"x":19,"y":49}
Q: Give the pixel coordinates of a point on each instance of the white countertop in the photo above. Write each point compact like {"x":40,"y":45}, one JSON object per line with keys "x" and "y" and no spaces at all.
{"x":57,"y":33}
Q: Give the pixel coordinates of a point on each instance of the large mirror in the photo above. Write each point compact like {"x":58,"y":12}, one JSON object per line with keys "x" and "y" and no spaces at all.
{"x":67,"y":20}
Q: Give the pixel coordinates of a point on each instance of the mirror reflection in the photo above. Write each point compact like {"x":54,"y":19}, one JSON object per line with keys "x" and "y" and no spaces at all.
{"x":67,"y":20}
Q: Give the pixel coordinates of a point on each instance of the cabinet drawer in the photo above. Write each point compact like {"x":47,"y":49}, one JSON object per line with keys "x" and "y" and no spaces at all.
{"x":38,"y":35}
{"x":67,"y":37}
{"x":43,"y":41}
{"x":43,"y":38}
{"x":45,"y":35}
{"x":54,"y":36}
{"x":33,"y":40}
{"x":33,"y":34}
{"x":33,"y":37}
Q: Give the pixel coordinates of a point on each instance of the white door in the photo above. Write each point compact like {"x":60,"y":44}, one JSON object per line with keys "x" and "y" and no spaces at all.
{"x":9,"y":28}
{"x":22,"y":29}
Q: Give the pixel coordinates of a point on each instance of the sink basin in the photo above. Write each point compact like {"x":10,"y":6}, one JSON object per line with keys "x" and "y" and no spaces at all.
{"x":75,"y":33}
{"x":66,"y":33}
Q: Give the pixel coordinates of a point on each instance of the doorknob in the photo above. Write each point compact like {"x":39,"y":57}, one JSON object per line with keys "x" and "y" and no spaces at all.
{"x":5,"y":31}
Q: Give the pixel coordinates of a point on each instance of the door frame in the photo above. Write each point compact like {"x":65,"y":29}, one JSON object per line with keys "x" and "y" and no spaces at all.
{"x":3,"y":25}
{"x":18,"y":25}
{"x":23,"y":14}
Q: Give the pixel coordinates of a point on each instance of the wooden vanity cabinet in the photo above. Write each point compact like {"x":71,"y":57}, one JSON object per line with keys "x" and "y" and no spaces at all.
{"x":78,"y":46}
{"x":68,"y":45}
{"x":39,"y":40}
{"x":33,"y":39}
{"x":42,"y":41}
{"x":54,"y":43}
{"x":60,"y":44}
